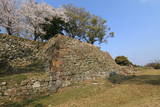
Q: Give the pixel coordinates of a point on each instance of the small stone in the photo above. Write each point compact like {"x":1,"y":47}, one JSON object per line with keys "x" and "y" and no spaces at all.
{"x":36,"y":84}
{"x":66,"y":83}
{"x":3,"y":83}
{"x":23,"y":83}
{"x":54,"y":86}
{"x":95,"y":83}
{"x":10,"y":92}
{"x":33,"y":80}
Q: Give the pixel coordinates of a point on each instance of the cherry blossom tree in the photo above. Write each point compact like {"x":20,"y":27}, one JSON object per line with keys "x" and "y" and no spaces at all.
{"x":34,"y":14}
{"x":25,"y":17}
{"x":9,"y":18}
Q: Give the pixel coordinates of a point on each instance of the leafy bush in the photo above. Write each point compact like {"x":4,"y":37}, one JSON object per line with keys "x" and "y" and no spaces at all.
{"x":123,"y":61}
{"x":155,"y":65}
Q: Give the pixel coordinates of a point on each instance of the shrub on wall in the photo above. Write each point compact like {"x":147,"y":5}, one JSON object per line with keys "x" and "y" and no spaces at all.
{"x":123,"y":61}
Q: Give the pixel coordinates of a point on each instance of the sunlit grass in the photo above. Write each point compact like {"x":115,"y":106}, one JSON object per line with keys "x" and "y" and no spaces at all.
{"x":139,"y":91}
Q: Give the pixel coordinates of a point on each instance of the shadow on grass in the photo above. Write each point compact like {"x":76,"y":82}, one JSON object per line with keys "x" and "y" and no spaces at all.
{"x":142,"y":79}
{"x":37,"y":66}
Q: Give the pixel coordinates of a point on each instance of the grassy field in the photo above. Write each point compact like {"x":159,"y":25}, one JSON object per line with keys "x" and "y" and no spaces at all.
{"x":143,"y":90}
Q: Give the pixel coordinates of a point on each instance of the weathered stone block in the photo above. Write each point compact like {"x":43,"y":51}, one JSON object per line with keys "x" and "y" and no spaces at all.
{"x":10,"y":92}
{"x":3,"y":83}
{"x":36,"y":84}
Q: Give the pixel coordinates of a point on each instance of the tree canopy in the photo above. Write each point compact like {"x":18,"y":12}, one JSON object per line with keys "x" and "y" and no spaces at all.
{"x":42,"y":21}
{"x":86,"y":26}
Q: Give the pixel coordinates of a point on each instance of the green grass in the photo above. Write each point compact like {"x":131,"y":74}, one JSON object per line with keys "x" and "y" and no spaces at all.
{"x":72,"y":93}
{"x":142,"y":90}
{"x":18,"y":74}
{"x":16,"y":78}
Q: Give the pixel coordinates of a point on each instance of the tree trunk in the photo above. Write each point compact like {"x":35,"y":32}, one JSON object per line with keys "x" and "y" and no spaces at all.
{"x":9,"y":31}
{"x":35,"y":38}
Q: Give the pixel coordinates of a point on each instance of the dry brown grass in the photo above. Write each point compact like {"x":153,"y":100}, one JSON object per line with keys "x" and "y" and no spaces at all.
{"x":141,"y":91}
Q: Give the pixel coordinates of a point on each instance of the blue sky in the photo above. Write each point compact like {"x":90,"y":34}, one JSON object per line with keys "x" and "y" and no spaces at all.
{"x":135,"y":22}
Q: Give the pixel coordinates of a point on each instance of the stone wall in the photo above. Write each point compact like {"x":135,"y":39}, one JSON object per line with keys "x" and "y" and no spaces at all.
{"x":18,"y":51}
{"x":28,"y":87}
{"x":66,"y":61}
{"x":69,"y":61}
